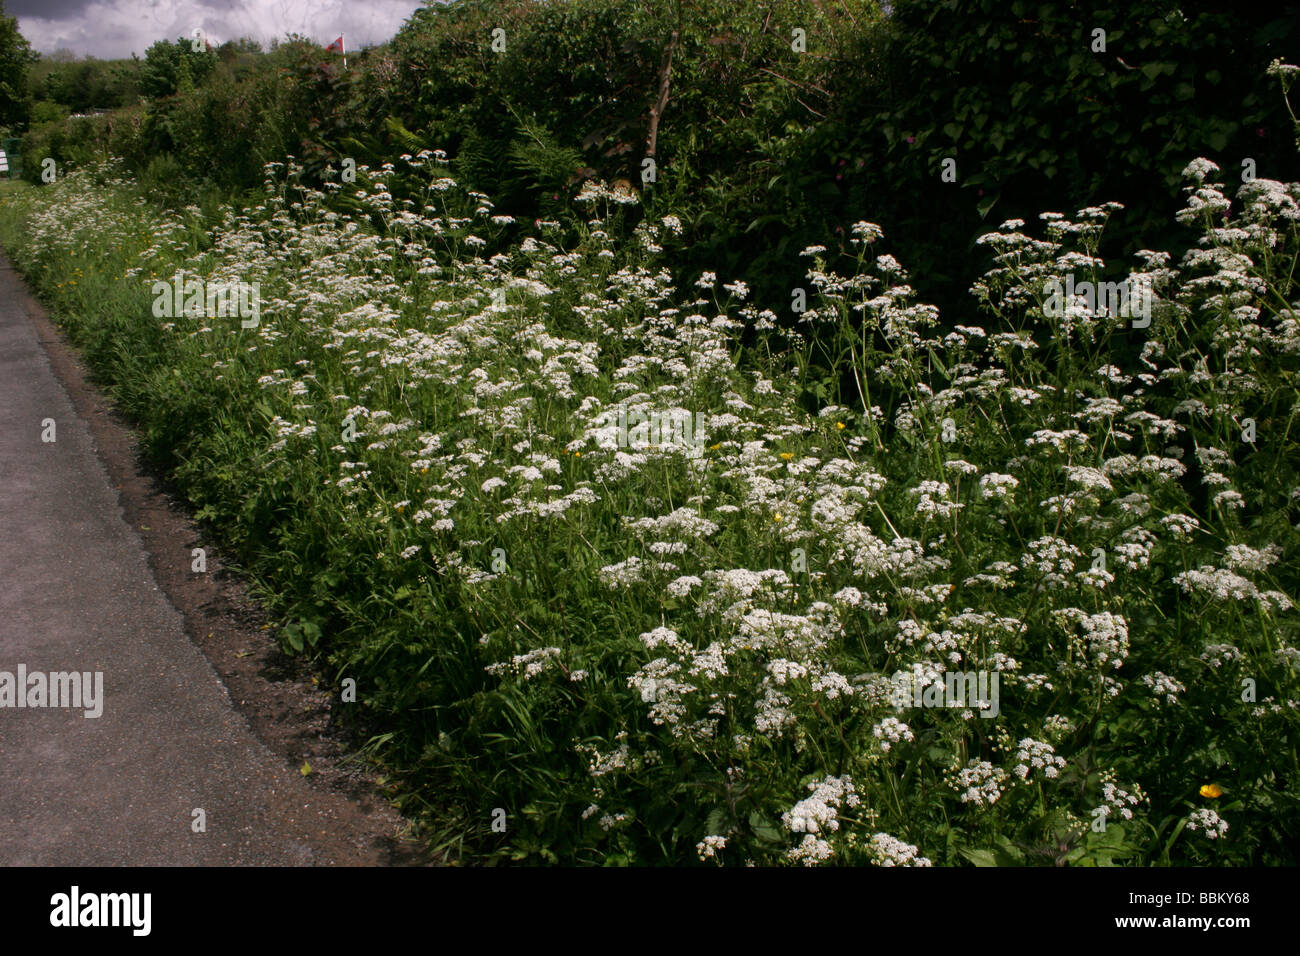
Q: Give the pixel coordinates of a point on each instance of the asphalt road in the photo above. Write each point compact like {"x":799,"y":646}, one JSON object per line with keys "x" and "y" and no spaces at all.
{"x":77,"y":594}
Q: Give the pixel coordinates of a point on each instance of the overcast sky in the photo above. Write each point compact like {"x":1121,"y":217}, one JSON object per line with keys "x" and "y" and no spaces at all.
{"x":110,"y":29}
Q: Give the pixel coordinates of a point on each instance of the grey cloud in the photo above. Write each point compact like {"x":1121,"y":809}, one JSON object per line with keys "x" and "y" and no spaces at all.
{"x":118,"y":28}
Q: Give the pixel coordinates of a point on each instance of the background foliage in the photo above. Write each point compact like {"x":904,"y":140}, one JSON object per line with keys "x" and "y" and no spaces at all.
{"x":761,"y":150}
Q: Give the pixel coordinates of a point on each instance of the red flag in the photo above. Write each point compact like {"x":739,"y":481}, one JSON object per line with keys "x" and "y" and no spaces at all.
{"x":336,"y":45}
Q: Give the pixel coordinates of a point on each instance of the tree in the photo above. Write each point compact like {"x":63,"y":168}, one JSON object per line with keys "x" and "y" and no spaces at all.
{"x":233,"y":49}
{"x":15,"y":57}
{"x":170,"y":66}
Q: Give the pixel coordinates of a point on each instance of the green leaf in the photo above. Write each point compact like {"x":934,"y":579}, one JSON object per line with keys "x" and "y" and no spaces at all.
{"x":716,"y":822}
{"x":980,"y":857}
{"x":766,"y":220}
{"x":1174,"y":836}
{"x":763,"y":829}
{"x":311,"y":631}
{"x":1008,"y":853}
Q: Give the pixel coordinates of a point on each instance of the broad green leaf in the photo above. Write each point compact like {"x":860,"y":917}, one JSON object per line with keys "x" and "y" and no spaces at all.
{"x":980,"y":857}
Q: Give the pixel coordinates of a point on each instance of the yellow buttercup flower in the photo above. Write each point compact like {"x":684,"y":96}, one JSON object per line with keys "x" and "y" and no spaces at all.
{"x":776,"y":517}
{"x":840,"y":425}
{"x":787,"y":455}
{"x":1212,"y":790}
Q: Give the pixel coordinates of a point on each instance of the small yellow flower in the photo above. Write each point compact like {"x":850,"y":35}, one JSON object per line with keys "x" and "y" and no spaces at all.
{"x":577,"y":454}
{"x":840,"y":425}
{"x":1212,"y":790}
{"x":776,"y":518}
{"x":787,"y":455}
{"x":715,"y":447}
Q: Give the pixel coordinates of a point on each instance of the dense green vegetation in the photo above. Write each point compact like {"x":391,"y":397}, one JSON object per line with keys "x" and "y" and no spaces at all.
{"x":761,"y":150}
{"x":691,"y":646}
